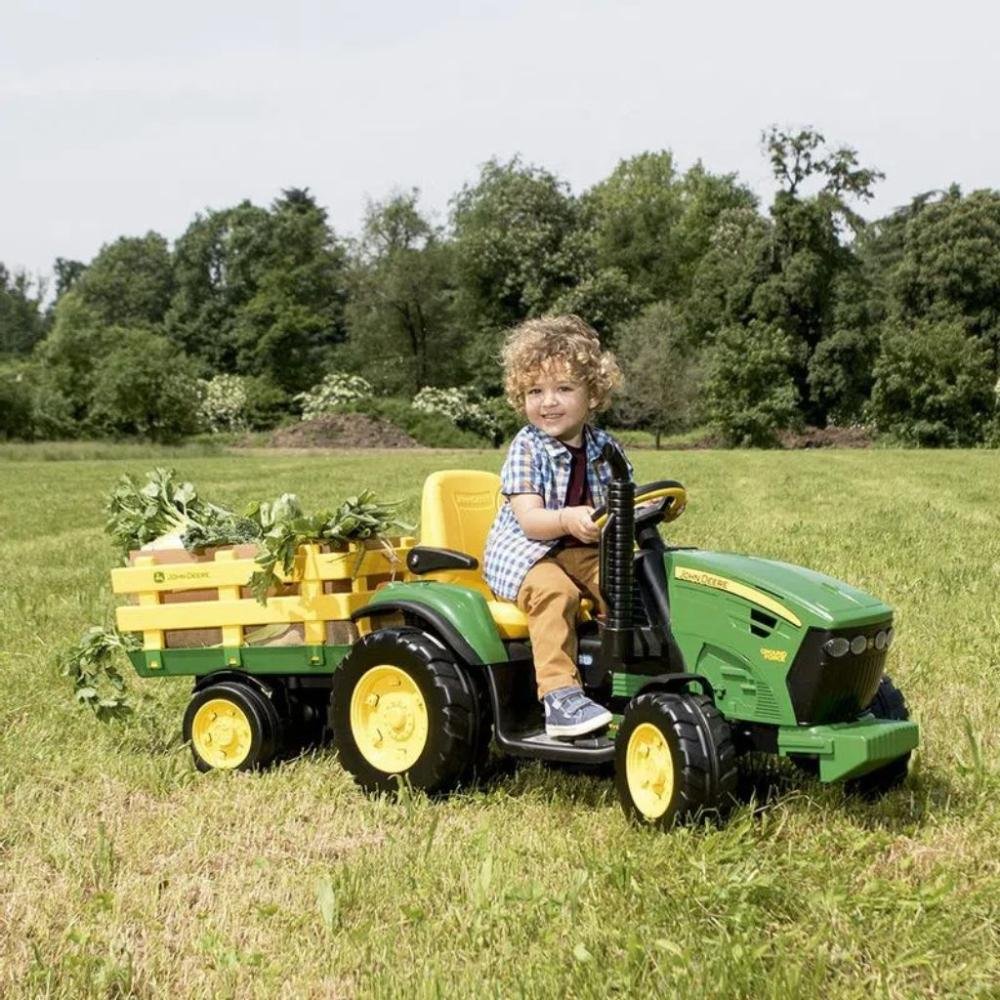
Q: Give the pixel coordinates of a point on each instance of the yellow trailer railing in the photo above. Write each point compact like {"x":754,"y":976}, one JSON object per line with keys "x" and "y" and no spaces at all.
{"x":326,"y":587}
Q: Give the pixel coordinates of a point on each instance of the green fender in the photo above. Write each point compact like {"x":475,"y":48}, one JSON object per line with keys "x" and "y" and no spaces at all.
{"x":459,"y":615}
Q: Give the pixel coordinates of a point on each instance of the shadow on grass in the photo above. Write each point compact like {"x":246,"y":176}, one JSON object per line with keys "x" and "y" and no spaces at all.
{"x":766,"y":781}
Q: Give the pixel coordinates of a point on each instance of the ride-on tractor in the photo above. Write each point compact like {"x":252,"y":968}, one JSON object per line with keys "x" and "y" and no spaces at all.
{"x":701,"y":657}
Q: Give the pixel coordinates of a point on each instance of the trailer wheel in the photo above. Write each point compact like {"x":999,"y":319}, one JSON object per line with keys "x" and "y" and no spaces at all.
{"x":674,"y":759}
{"x":888,"y":703}
{"x":231,"y":726}
{"x":401,"y":706}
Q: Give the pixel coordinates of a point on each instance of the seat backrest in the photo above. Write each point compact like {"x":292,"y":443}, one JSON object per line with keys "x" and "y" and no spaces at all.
{"x":456,"y":511}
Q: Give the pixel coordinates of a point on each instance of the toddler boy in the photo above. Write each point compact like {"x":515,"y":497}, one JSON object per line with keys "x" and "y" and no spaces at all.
{"x":542,"y":549}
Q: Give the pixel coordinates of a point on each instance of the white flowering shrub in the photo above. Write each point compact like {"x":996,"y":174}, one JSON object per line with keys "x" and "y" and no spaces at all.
{"x":455,"y":404}
{"x":992,"y":436}
{"x":223,"y":403}
{"x":335,"y":389}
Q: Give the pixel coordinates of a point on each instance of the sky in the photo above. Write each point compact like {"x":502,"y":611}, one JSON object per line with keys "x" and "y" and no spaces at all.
{"x":121,"y":117}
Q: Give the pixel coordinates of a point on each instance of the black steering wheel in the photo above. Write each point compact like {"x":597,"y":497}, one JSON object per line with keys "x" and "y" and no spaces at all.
{"x":666,"y":498}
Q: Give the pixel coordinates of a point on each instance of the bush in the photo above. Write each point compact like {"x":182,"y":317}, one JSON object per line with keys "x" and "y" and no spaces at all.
{"x":432,"y":430}
{"x":750,"y":392}
{"x":841,"y":374}
{"x":268,"y":404}
{"x":993,"y":427}
{"x":335,"y":390}
{"x":457,"y":406}
{"x":223,"y":403}
{"x":145,"y":386}
{"x":508,"y":420}
{"x":933,"y":385}
{"x":16,"y":407}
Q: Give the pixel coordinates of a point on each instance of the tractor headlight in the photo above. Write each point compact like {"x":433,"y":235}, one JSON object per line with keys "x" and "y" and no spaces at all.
{"x":881,"y":640}
{"x":859,"y":644}
{"x":889,"y":636}
{"x":837,"y":647}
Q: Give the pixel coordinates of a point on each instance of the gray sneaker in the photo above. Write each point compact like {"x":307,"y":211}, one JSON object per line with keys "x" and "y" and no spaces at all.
{"x":569,"y":712}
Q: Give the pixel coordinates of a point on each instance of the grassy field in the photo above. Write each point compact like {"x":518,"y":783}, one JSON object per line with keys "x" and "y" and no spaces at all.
{"x":123,"y":872}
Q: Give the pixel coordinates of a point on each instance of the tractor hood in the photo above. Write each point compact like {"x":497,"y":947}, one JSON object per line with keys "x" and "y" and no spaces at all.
{"x":794,"y":593}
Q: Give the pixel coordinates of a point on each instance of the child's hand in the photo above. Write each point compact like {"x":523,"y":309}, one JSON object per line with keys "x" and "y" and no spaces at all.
{"x":577,"y":521}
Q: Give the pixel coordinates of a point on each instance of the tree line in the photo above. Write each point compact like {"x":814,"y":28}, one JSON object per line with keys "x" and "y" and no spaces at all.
{"x":721,"y":311}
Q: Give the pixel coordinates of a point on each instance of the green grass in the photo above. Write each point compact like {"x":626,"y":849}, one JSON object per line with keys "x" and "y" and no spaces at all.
{"x":123,"y":872}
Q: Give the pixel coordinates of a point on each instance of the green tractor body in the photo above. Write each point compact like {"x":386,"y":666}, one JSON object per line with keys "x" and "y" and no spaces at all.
{"x":756,"y":631}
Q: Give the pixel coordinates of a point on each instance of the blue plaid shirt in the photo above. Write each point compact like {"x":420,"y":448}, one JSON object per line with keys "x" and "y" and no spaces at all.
{"x":537,"y":463}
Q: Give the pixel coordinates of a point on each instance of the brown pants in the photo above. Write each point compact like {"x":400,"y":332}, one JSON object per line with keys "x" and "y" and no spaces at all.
{"x":550,"y":597}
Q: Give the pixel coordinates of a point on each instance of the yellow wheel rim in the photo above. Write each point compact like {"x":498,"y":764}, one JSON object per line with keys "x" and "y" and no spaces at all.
{"x":389,"y":719}
{"x":221,"y":733}
{"x":649,"y":770}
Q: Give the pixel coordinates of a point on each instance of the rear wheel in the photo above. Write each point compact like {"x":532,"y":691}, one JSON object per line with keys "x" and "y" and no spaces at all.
{"x":888,"y":703}
{"x":232,"y":726}
{"x":674,"y":759}
{"x":401,"y":705}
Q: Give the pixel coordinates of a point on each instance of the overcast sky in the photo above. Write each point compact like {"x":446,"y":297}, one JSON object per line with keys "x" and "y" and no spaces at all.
{"x":119,"y":117}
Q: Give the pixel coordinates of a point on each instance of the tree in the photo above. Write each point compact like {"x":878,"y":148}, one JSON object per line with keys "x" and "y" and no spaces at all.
{"x":219,"y":263}
{"x":68,"y":272}
{"x":606,"y":298}
{"x":750,"y":392}
{"x":933,"y":384}
{"x":736,"y":263}
{"x":145,"y":386}
{"x":631,"y":215}
{"x":16,"y":407}
{"x":840,"y":375}
{"x":655,"y":224}
{"x":806,"y":251}
{"x":69,"y":358}
{"x":129,"y":282}
{"x":402,"y":330}
{"x":514,"y":251}
{"x":663,"y":375}
{"x":296,"y":316}
{"x":949,"y":267}
{"x":21,"y":319}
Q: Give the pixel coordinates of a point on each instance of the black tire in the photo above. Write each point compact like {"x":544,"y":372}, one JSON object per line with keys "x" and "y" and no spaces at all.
{"x":701,"y":762}
{"x":888,"y":703}
{"x":253,"y":728}
{"x":450,"y":713}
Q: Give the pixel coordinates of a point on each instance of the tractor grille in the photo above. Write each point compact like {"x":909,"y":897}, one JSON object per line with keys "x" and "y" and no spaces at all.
{"x":828,"y":689}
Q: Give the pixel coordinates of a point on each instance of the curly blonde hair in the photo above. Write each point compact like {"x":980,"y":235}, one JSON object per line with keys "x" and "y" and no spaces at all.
{"x":558,"y":343}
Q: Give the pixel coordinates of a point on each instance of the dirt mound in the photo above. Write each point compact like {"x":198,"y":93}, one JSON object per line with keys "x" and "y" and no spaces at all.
{"x":827,"y":437}
{"x":342,"y":430}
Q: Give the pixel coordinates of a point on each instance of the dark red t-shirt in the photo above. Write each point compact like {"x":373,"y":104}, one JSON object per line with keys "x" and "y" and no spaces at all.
{"x":577,"y":493}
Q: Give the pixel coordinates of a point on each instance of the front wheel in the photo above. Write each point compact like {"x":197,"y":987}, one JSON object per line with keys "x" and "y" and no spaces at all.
{"x":401,"y":705}
{"x":674,"y":759}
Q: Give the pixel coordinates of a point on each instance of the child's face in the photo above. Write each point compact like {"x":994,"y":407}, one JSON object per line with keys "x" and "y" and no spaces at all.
{"x":558,"y":404}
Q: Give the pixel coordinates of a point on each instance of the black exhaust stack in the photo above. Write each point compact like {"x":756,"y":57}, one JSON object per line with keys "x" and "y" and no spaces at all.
{"x":616,"y":565}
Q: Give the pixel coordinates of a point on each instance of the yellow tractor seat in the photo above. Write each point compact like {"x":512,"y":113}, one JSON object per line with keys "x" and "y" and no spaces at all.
{"x":457,"y":509}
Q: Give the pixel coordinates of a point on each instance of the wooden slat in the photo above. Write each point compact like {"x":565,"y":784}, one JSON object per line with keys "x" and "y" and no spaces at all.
{"x":230,"y":572}
{"x":209,"y":614}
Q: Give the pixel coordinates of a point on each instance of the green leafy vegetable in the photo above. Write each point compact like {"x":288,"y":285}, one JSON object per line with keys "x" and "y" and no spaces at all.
{"x":96,"y":678}
{"x":141,"y":513}
{"x":166,"y":506}
{"x":284,"y":527}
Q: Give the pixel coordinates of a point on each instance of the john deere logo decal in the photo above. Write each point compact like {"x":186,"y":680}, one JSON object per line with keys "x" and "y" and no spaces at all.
{"x":704,"y":579}
{"x":158,"y":576}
